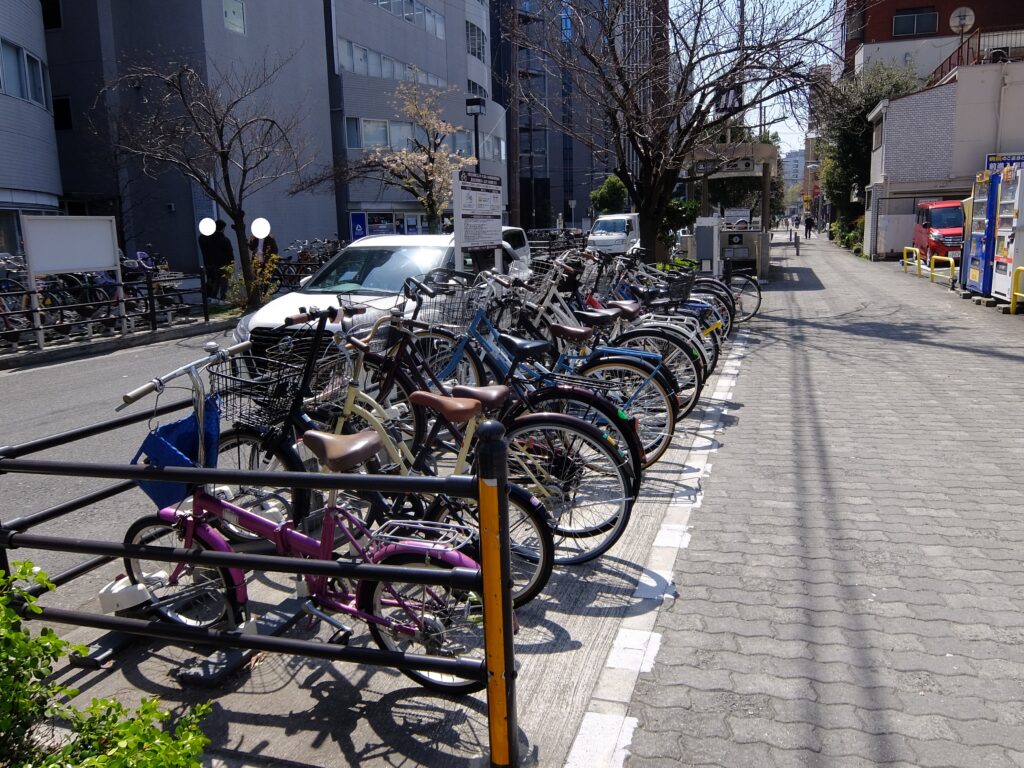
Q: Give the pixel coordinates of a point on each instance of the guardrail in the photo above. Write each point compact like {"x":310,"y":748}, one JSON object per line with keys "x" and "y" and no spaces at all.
{"x":493,"y":579}
{"x":1015,"y":289}
{"x":952,"y":268}
{"x":916,"y":253}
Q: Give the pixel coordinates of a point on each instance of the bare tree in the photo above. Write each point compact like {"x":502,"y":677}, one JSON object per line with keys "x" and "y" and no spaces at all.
{"x":423,"y":167}
{"x":219,"y":132}
{"x":647,"y":82}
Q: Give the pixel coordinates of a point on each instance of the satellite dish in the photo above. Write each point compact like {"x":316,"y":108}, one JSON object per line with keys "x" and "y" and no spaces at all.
{"x":961,"y":20}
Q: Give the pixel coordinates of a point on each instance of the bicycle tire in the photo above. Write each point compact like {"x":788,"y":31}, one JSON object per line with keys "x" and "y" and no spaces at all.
{"x":581,"y":479}
{"x":412,"y":419}
{"x":453,"y":621}
{"x":677,"y":354}
{"x":245,"y":448}
{"x":208,"y":600}
{"x":530,"y":538}
{"x":748,"y":296}
{"x":593,"y":408}
{"x":642,"y":395}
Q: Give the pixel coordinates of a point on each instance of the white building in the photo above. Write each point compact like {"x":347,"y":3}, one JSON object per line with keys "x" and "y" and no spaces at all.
{"x":929,"y":145}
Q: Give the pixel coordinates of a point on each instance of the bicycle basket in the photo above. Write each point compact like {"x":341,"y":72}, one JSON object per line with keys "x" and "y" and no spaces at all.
{"x":176,"y":444}
{"x":452,"y":306}
{"x":256,"y":391}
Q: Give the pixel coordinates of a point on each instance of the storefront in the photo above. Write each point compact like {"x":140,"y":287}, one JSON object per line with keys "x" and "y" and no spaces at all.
{"x":364,"y":223}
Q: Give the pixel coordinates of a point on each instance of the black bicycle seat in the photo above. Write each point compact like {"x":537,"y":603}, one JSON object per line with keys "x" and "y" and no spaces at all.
{"x":524,"y":349}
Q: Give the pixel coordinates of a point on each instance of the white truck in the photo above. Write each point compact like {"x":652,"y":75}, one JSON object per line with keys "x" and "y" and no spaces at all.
{"x":614,"y":233}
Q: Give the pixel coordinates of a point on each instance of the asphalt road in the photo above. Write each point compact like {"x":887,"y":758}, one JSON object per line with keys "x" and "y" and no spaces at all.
{"x":49,"y":400}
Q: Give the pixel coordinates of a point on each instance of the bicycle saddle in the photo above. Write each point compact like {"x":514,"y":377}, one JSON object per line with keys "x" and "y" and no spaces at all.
{"x":630,"y":309}
{"x":569,"y":333}
{"x":522,"y":349}
{"x":458,"y":410}
{"x":340,"y":453}
{"x":491,"y":398}
{"x":597,"y":317}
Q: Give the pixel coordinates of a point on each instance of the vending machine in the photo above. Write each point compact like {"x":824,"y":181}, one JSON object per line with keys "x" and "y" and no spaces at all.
{"x":1009,"y":249}
{"x":979,"y":243}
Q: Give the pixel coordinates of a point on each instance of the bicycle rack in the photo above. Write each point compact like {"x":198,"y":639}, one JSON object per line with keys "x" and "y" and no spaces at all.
{"x":493,"y":580}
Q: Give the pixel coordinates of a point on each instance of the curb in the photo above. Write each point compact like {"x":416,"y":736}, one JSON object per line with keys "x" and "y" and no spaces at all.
{"x":88,"y":349}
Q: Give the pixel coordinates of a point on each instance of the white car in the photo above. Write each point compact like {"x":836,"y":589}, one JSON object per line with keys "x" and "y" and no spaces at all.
{"x":369,"y":272}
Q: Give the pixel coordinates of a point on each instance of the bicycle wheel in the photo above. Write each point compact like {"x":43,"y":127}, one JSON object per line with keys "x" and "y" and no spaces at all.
{"x":192,"y":595}
{"x":437,"y":348}
{"x":530,"y":539}
{"x":748,"y":296}
{"x":581,"y":479}
{"x":249,"y":450}
{"x":593,"y":408}
{"x":677,"y":354}
{"x":411,"y":420}
{"x":431,"y":620}
{"x":642,"y":395}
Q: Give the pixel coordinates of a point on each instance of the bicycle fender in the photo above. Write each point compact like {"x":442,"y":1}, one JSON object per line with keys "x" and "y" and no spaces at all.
{"x":447,"y":556}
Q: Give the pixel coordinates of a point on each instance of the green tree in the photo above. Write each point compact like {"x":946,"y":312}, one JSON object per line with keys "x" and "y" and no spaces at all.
{"x":610,"y":197}
{"x":844,"y":133}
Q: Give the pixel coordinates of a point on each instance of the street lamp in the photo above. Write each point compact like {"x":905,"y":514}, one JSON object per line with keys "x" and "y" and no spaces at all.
{"x":476,"y":106}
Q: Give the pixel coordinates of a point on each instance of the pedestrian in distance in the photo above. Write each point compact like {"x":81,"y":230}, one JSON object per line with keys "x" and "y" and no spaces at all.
{"x":808,"y":226}
{"x":217,"y":256}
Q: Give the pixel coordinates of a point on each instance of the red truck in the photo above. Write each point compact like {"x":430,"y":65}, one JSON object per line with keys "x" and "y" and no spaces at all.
{"x":939,"y":229}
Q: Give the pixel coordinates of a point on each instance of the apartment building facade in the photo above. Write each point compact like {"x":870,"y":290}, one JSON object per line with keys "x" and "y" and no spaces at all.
{"x":29,"y":169}
{"x":342,"y":60}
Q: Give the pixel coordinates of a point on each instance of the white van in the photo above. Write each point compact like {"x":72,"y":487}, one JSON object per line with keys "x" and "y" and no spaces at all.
{"x":615,"y":233}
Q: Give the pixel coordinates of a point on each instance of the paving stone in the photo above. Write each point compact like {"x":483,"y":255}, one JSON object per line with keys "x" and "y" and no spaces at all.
{"x":854,"y":602}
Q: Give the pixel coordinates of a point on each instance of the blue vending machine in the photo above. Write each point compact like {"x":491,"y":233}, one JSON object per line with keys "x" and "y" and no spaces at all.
{"x":979,"y":245}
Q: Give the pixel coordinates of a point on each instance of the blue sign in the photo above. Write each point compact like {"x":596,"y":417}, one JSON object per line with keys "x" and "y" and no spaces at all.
{"x":358,"y":221}
{"x":996,"y":162}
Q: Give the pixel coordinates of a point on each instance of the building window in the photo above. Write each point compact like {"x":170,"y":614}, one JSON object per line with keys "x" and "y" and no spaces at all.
{"x":352,"y":139}
{"x":345,"y":55}
{"x":387,"y":68}
{"x":51,"y":14}
{"x":373,"y":67}
{"x":13,"y":61}
{"x":375,"y":133}
{"x":234,"y":16}
{"x":476,"y":41}
{"x":359,"y":55}
{"x":876,"y":135}
{"x":36,"y":91}
{"x":401,"y":135}
{"x":476,"y":89}
{"x":62,"y":113}
{"x":919,"y":21}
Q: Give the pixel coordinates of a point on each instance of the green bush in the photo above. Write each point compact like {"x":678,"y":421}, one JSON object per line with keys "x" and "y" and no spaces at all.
{"x":105,"y":734}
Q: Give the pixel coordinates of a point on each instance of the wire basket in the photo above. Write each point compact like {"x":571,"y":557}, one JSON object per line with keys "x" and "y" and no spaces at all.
{"x":452,"y":306}
{"x":255,"y":391}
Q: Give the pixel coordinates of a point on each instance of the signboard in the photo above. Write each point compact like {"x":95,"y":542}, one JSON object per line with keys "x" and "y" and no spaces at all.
{"x":358,"y":222}
{"x":476,"y":201}
{"x":55,"y":244}
{"x":998,"y":161}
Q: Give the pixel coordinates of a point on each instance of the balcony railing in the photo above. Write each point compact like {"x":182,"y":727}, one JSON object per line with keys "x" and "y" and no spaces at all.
{"x":989,"y":46}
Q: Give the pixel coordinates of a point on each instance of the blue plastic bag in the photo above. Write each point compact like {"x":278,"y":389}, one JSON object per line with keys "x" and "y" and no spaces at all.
{"x":176,"y":444}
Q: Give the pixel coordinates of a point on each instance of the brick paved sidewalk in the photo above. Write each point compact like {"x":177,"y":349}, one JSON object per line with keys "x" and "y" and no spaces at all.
{"x":853,"y":591}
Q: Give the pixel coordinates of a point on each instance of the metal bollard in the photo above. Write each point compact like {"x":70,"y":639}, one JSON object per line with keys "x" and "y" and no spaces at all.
{"x":497,"y":595}
{"x":796,"y":243}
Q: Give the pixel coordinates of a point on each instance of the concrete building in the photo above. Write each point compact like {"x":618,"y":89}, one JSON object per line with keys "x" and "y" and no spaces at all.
{"x":344,"y":60}
{"x":29,"y":168}
{"x":793,"y":167}
{"x":379,"y":43}
{"x":924,"y":36}
{"x":95,"y":43}
{"x":929,"y":145}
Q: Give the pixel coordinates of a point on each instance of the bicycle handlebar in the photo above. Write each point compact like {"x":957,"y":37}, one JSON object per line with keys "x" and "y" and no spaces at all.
{"x":306,"y":316}
{"x":412,"y":282}
{"x":152,"y":386}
